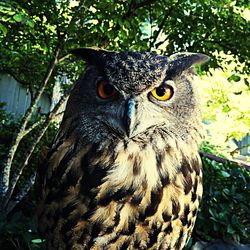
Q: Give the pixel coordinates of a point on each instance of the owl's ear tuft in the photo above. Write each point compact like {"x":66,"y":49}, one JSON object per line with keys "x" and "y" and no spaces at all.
{"x":180,"y":62}
{"x":92,"y":56}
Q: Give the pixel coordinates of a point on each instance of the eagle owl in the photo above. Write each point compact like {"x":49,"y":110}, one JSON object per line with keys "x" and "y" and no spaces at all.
{"x":124,"y":171}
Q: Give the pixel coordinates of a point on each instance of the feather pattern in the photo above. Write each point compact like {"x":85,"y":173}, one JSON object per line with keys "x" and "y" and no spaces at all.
{"x":100,"y":189}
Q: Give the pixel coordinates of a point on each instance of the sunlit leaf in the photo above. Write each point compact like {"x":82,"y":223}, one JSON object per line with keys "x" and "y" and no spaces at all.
{"x":18,"y":17}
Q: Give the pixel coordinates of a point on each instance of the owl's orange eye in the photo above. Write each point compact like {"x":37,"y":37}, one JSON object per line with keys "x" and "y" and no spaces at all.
{"x":163,"y":92}
{"x":105,"y":90}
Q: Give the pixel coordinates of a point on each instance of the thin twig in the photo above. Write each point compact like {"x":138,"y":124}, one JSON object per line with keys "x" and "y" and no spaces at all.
{"x":33,"y":126}
{"x":239,"y":148}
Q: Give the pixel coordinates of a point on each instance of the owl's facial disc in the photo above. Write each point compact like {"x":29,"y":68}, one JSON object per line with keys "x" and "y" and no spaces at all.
{"x":128,"y":115}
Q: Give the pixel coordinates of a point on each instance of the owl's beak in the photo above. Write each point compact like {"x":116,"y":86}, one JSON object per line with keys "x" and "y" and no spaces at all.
{"x":129,"y":118}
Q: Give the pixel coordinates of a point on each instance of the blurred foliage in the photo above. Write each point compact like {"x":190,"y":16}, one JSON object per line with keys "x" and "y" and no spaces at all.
{"x":224,"y":210}
{"x":225,"y":95}
{"x":31,"y":30}
{"x":18,"y":230}
{"x":7,"y":128}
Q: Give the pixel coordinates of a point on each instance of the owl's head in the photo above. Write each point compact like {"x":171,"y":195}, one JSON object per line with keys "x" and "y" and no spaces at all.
{"x":133,"y":95}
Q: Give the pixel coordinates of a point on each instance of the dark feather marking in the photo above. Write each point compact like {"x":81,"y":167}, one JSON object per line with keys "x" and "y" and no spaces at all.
{"x":117,"y":215}
{"x":166,"y":217}
{"x":143,"y":145}
{"x":125,"y":144}
{"x":159,"y":159}
{"x":119,"y":195}
{"x":137,"y":244}
{"x":184,"y":218}
{"x":137,"y":166}
{"x":154,"y":232}
{"x":130,"y":230}
{"x":84,"y":233}
{"x":60,"y":190}
{"x":194,"y":213}
{"x":123,"y":193}
{"x":165,"y":180}
{"x":151,"y":139}
{"x":91,"y":180}
{"x":185,"y":169}
{"x":175,"y":207}
{"x":199,"y":198}
{"x":109,"y":230}
{"x":168,"y":229}
{"x":55,"y":148}
{"x":136,"y":200}
{"x":96,"y":229}
{"x":179,"y":241}
{"x":73,"y":176}
{"x":68,"y":209}
{"x":68,"y":225}
{"x":194,"y":196}
{"x":57,"y":174}
{"x":156,"y":196}
{"x":130,"y":157}
{"x":164,"y":177}
{"x":125,"y":245}
{"x":195,"y":184}
{"x":196,"y":166}
{"x":188,"y":184}
{"x":93,"y":175}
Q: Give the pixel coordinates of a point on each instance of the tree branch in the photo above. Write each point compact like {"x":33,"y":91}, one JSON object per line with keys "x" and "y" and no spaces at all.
{"x":33,"y":126}
{"x":160,"y":28}
{"x":60,"y":60}
{"x":23,"y":192}
{"x":239,"y":148}
{"x":6,"y":164}
{"x":18,"y":172}
{"x":229,"y":47}
{"x":134,"y":5}
{"x":223,"y":160}
{"x":167,"y":14}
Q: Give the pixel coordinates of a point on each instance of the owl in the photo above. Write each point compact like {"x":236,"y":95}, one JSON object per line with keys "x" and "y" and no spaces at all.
{"x":124,"y":171}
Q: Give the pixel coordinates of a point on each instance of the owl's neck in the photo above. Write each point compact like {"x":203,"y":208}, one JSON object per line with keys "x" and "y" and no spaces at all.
{"x":147,"y":164}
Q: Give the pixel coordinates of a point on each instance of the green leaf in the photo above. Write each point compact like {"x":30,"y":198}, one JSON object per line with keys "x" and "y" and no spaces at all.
{"x":225,"y":174}
{"x":30,"y":23}
{"x":230,"y":230}
{"x":37,"y":241}
{"x":226,"y":108}
{"x":3,"y":29}
{"x":234,"y":78}
{"x":18,"y":17}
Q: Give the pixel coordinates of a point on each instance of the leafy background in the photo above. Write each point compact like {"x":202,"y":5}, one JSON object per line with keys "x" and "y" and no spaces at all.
{"x":35,"y":39}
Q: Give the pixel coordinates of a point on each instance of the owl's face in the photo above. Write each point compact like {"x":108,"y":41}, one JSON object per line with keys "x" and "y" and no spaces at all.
{"x":133,"y":95}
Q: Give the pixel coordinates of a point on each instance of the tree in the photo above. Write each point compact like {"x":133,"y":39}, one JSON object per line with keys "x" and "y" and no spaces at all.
{"x":225,"y":95}
{"x":36,"y":39}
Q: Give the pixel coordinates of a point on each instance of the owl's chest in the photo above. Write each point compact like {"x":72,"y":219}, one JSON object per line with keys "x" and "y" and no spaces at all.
{"x":135,"y":199}
{"x":147,"y":211}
